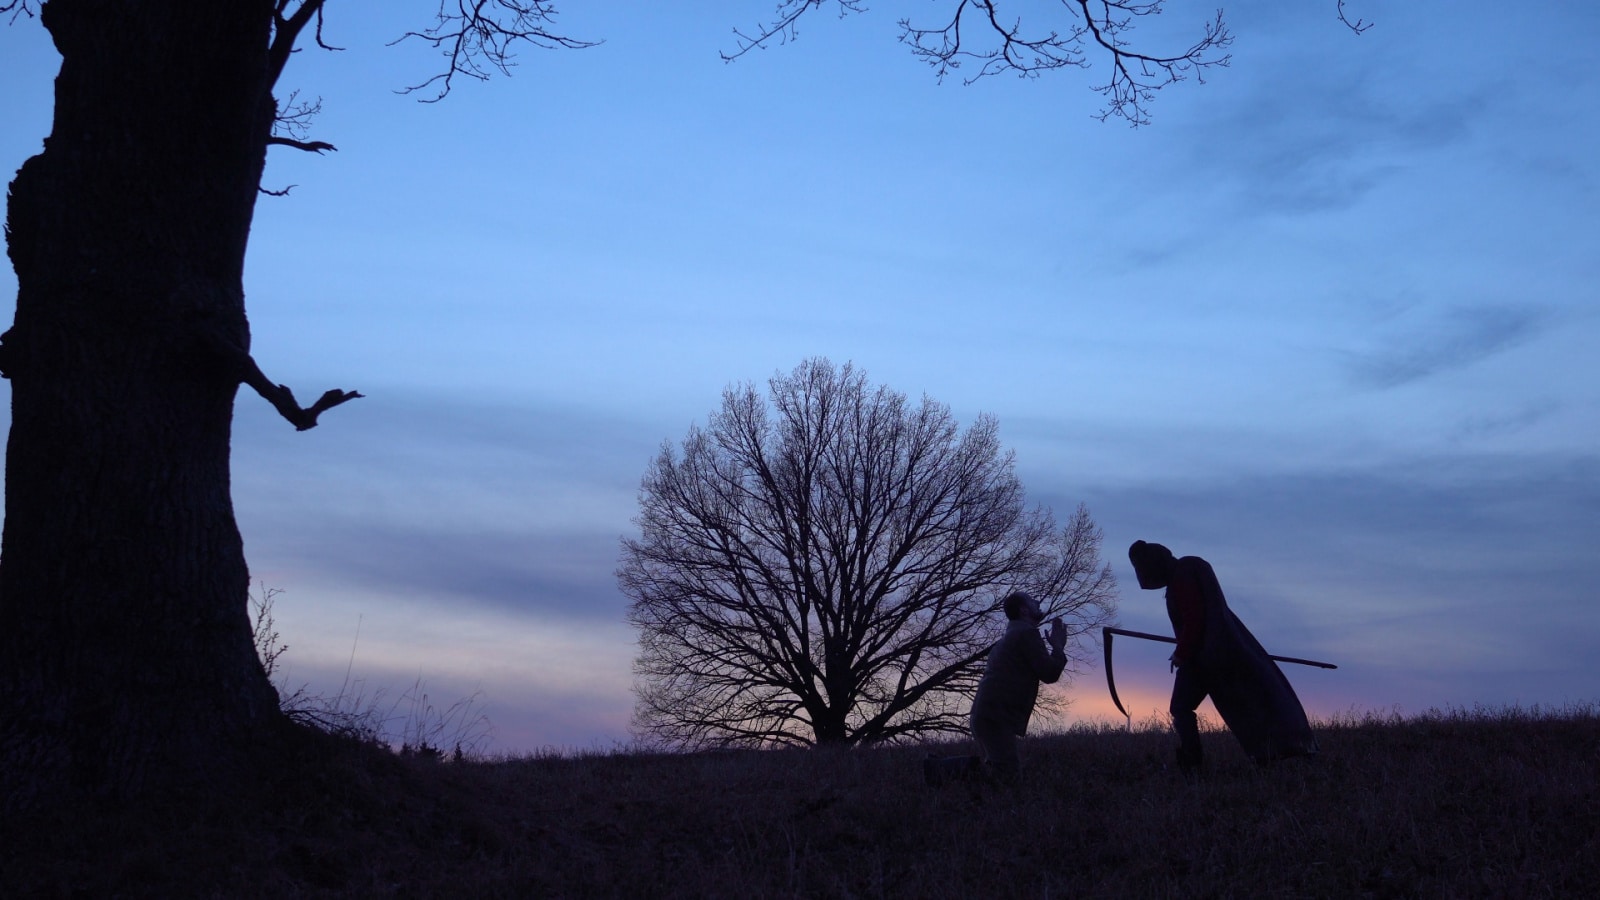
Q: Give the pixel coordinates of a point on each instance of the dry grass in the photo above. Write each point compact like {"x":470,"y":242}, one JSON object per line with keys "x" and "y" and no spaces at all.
{"x":1487,"y":803}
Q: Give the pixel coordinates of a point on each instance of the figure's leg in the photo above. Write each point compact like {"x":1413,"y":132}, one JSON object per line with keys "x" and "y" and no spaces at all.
{"x":938,"y":771}
{"x":999,"y":749}
{"x":1188,"y":689}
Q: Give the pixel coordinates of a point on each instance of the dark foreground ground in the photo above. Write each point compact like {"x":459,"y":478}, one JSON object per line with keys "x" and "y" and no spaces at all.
{"x":1484,"y":804}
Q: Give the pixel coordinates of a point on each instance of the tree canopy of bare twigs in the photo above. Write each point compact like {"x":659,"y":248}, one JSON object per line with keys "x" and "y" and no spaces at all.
{"x":828,"y":569}
{"x":988,"y":37}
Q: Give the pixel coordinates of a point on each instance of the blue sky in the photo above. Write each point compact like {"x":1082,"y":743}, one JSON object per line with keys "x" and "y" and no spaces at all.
{"x":1328,"y":322}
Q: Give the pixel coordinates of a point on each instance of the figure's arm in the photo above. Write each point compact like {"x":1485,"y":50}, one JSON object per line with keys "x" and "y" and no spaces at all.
{"x":1188,"y":610}
{"x":1048,"y":665}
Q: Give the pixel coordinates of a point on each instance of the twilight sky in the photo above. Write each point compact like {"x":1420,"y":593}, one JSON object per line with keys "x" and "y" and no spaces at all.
{"x":1330,"y":322}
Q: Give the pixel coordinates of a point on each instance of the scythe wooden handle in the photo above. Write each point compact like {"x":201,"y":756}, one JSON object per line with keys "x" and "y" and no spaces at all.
{"x":1166,"y":640}
{"x":1111,"y":681}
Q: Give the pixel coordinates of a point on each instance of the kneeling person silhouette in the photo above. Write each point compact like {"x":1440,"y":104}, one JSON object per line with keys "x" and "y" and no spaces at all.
{"x":1017,"y":664}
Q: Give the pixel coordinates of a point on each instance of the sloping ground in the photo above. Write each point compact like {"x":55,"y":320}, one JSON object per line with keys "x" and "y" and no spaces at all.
{"x":1490,"y":803}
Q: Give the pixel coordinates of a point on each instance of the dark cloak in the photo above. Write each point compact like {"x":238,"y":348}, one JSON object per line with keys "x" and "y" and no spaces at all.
{"x":1248,"y":689}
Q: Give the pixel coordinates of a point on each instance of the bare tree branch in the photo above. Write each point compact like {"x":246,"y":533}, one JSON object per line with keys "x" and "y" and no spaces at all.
{"x":782,"y":28}
{"x":18,"y":9}
{"x":292,"y":118}
{"x":478,"y":37}
{"x":976,"y":33}
{"x":1358,"y":26}
{"x":309,"y":146}
{"x":293,"y":115}
{"x":286,"y":28}
{"x":282,"y":399}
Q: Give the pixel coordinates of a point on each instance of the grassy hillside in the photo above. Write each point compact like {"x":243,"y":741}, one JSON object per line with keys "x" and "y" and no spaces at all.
{"x":1497,"y":803}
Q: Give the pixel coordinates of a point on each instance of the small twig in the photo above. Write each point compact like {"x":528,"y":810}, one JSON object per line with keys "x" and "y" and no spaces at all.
{"x":783,"y":29}
{"x":1358,"y":26}
{"x":17,"y":8}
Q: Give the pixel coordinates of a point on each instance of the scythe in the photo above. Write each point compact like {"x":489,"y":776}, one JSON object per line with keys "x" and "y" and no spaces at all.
{"x":1111,"y":681}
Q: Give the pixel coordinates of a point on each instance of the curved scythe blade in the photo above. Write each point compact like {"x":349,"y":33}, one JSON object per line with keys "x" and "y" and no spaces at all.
{"x":1111,"y":681}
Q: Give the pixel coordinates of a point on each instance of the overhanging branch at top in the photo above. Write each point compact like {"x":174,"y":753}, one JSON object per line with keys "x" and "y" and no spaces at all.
{"x":980,"y":35}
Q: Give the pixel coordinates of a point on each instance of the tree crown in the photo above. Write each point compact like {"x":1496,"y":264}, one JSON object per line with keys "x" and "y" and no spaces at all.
{"x":826,"y":565}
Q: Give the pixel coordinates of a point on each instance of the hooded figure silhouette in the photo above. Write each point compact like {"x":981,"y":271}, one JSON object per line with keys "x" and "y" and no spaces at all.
{"x":1218,"y":657}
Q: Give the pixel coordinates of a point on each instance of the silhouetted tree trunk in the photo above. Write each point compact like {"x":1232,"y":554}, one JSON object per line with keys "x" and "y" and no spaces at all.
{"x":126,"y":658}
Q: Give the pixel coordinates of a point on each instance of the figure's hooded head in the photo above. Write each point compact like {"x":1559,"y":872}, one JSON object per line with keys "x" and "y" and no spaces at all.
{"x":1021,"y":605}
{"x":1152,"y":564}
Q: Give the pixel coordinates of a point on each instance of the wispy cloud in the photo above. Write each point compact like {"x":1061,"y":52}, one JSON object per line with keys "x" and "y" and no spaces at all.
{"x":1495,"y":424}
{"x":515,"y":506}
{"x":1322,"y":140}
{"x":568,"y":575}
{"x":1453,"y":339}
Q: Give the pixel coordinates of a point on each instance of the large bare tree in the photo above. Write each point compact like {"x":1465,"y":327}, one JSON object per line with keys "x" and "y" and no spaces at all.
{"x":826,"y":568}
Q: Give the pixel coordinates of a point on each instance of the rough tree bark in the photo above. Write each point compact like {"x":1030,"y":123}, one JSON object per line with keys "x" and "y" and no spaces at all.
{"x":126,"y":661}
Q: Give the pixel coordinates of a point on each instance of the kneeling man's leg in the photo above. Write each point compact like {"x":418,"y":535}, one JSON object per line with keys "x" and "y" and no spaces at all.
{"x":1000,"y":749}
